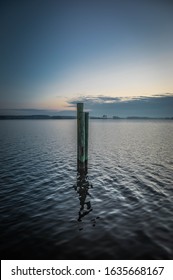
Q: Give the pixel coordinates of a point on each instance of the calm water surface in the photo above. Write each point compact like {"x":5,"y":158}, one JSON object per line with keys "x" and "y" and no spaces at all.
{"x":123,"y":209}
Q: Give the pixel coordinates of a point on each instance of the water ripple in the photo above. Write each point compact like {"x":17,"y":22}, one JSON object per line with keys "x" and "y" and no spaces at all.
{"x":121,"y":210}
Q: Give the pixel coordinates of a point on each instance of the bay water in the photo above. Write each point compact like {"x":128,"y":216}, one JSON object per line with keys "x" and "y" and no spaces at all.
{"x":122,"y":209}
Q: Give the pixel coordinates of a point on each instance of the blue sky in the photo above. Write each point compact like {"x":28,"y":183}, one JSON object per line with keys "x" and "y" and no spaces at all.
{"x":56,"y":52}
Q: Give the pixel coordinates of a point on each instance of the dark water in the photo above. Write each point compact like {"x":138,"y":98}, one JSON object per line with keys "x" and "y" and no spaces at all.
{"x":123,"y":209}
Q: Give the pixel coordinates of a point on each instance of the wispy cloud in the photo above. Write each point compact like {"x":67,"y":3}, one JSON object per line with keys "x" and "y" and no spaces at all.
{"x":98,"y":99}
{"x":160,"y":105}
{"x":101,"y":99}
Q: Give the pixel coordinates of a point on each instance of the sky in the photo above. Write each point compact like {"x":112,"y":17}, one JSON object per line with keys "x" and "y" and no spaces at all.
{"x":116,"y":56}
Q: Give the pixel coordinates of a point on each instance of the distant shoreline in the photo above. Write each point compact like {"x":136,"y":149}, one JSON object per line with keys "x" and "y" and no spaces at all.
{"x":47,"y":117}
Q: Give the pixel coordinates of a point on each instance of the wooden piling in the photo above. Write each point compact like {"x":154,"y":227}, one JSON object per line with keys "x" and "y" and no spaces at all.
{"x":80,"y":138}
{"x":86,"y":140}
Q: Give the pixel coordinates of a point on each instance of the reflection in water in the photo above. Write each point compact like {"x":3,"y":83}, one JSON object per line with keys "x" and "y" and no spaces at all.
{"x":82,"y":188}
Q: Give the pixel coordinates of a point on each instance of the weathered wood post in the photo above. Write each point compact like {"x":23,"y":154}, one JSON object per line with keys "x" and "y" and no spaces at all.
{"x":80,"y":138}
{"x":86,"y":140}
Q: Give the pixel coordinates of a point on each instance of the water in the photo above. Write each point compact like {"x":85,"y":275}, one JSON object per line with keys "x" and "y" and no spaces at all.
{"x":121,"y":210}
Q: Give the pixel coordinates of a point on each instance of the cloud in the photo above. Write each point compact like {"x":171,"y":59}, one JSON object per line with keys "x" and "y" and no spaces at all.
{"x":98,"y":99}
{"x":153,"y":106}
